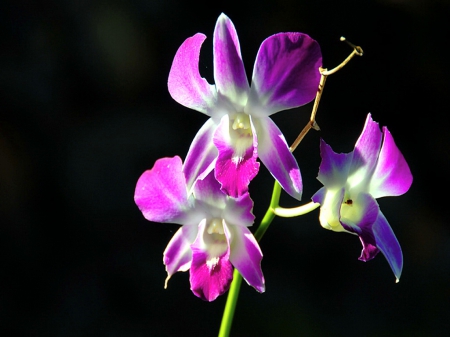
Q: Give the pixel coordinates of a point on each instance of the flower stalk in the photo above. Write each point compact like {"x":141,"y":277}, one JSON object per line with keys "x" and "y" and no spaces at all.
{"x":296,"y":211}
{"x":230,"y":305}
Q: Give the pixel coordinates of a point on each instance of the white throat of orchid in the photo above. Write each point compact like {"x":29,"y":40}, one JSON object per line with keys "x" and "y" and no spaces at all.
{"x":241,"y":136}
{"x":351,"y":210}
{"x":215,"y":241}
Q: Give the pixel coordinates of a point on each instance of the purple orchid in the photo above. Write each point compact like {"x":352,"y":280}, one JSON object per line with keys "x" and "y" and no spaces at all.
{"x":214,"y":236}
{"x":285,"y":75}
{"x":352,"y":181}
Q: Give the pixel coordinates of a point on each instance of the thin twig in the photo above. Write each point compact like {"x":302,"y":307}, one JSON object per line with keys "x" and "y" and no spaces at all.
{"x":357,"y":50}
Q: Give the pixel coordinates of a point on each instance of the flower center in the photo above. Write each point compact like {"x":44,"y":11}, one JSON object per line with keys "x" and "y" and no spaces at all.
{"x":215,"y":226}
{"x":216,"y":241}
{"x":241,"y":122}
{"x":241,"y":136}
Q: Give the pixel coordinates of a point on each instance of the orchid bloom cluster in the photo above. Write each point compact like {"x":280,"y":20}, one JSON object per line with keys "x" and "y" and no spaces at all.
{"x":208,"y":193}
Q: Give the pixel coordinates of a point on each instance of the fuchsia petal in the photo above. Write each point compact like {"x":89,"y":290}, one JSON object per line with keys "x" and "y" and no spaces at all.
{"x":286,"y":73}
{"x":208,"y":194}
{"x":217,"y":204}
{"x":233,"y":174}
{"x":388,"y":244}
{"x":392,"y":175}
{"x":229,"y":73}
{"x":201,"y":156}
{"x":161,"y":192}
{"x":178,"y":255}
{"x":185,"y":84}
{"x":276,"y":156}
{"x":334,"y":168}
{"x":365,"y":154}
{"x":209,"y":280}
{"x":246,"y":255}
{"x":238,"y":211}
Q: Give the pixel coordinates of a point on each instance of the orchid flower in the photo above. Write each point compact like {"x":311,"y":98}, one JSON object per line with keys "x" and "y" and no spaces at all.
{"x":352,"y":181}
{"x":285,"y":75}
{"x":214,"y":236}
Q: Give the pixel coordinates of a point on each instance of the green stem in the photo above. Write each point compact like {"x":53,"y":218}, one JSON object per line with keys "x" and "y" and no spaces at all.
{"x":270,"y":214}
{"x":230,"y":306}
{"x":233,"y":293}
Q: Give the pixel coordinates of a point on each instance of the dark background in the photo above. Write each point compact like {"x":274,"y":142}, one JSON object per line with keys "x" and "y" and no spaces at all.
{"x":85,"y":110}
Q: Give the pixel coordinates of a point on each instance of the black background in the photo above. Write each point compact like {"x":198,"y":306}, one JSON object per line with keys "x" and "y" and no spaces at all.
{"x":85,"y":110}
